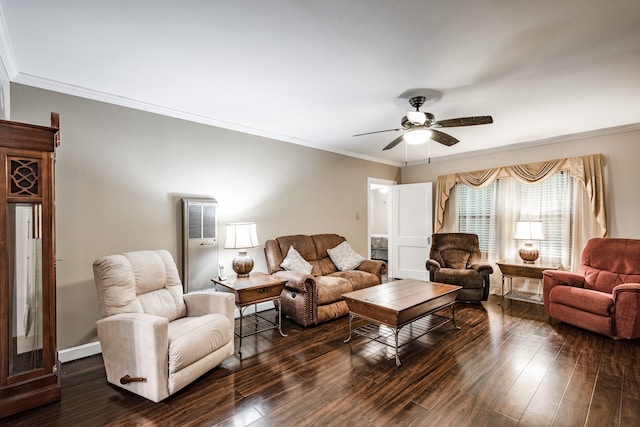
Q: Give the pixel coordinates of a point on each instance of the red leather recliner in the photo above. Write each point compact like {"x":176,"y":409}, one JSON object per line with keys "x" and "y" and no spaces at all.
{"x":604,"y":295}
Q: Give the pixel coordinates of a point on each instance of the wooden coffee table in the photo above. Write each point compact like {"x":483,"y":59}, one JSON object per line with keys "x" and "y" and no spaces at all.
{"x":397,"y":304}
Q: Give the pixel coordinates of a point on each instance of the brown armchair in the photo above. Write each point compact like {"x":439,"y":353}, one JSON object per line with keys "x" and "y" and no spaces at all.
{"x":604,"y":295}
{"x":455,"y":259}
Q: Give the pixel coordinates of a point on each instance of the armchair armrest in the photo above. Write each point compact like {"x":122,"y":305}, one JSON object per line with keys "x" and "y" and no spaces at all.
{"x":376,"y":267}
{"x":626,"y":298}
{"x":136,"y":344}
{"x":482,"y":267}
{"x":433,"y":265}
{"x":553,"y":278}
{"x":632,"y":289}
{"x":214,"y":302}
{"x":560,"y":277}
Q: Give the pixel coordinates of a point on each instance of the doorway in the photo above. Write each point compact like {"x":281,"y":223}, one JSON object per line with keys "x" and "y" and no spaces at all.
{"x":379,"y":219}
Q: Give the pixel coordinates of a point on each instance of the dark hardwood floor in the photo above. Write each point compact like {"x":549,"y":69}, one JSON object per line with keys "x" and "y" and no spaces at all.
{"x":507,"y":366}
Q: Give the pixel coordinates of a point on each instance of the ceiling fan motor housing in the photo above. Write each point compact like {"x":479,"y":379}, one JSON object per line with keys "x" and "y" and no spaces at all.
{"x":417,"y":101}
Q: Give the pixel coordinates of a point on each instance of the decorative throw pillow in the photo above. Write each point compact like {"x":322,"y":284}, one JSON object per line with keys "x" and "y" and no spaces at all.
{"x":344,"y":257}
{"x":294,"y":262}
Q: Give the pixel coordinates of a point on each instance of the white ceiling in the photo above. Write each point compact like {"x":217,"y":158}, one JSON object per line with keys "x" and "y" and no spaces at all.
{"x":316,"y":72}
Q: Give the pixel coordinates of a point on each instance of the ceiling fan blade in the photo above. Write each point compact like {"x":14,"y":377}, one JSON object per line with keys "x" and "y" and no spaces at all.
{"x":465,"y":121}
{"x":443,"y":138}
{"x":393,"y":143}
{"x":378,"y":131}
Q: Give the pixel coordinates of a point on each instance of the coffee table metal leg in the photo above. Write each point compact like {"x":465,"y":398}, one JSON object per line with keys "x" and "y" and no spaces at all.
{"x":397,"y":331}
{"x":350,"y":323}
{"x":453,"y":316}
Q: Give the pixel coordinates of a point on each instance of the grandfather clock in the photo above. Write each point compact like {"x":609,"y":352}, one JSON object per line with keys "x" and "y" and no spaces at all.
{"x":28,"y":362}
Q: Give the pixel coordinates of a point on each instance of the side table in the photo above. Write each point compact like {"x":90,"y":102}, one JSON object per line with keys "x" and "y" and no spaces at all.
{"x":257,"y":288}
{"x":511,"y":269}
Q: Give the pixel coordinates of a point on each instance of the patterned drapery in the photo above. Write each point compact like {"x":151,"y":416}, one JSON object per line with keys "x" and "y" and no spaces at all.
{"x":588,"y":170}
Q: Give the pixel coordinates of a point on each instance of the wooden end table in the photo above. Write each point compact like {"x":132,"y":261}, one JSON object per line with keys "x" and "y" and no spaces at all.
{"x":257,"y":288}
{"x":511,"y":269}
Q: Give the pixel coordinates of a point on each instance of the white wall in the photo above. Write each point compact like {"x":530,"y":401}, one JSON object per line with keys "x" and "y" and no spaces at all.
{"x":120,"y":174}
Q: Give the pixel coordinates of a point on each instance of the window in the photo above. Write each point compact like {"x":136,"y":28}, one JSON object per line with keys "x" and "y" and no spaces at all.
{"x":479,"y":212}
{"x":546,"y":201}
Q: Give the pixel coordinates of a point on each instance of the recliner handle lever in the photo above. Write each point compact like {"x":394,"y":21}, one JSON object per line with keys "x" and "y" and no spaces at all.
{"x":129,"y":379}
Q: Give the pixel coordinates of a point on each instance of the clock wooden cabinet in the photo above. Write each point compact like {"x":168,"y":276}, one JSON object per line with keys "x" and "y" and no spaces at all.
{"x":28,"y":361}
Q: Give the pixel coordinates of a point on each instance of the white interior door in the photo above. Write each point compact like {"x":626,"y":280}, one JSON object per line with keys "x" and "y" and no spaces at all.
{"x":411,"y":230}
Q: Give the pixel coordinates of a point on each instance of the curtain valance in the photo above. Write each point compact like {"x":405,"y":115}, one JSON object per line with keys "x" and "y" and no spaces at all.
{"x":588,"y":170}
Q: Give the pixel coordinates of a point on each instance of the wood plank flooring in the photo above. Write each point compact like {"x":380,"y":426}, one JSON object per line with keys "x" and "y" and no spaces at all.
{"x":507,"y":366}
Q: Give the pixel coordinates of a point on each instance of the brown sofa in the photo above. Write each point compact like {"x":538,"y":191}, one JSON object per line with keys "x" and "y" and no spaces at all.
{"x":310,"y":299}
{"x":604,"y":295}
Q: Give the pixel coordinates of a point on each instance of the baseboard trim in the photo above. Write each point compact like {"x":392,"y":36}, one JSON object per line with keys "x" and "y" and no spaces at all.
{"x":78,"y":352}
{"x":92,"y":348}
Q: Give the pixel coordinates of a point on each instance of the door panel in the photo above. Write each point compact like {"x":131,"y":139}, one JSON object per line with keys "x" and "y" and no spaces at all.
{"x":411,"y":230}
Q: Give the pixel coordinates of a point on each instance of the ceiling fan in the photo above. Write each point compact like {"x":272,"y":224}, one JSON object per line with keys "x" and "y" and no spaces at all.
{"x":419,"y":124}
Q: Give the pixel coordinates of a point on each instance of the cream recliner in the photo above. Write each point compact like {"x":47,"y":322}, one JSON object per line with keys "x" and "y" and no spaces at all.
{"x":154,"y":339}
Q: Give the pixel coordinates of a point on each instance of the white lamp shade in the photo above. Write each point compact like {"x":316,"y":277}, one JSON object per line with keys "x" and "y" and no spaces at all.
{"x":528,"y":230}
{"x":241,"y":235}
{"x":417,"y":136}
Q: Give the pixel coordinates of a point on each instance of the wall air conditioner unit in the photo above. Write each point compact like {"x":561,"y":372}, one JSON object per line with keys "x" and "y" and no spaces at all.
{"x":199,"y":243}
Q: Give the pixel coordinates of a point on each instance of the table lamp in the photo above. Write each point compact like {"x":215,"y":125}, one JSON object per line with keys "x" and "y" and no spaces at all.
{"x":242,"y":235}
{"x":528,"y":231}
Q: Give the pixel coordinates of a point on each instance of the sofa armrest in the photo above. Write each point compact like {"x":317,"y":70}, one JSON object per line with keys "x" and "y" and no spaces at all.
{"x":136,"y":344}
{"x":296,"y":280}
{"x":626,"y":298}
{"x":379,"y":268}
{"x":433,"y":265}
{"x":211,"y":302}
{"x":482,"y":267}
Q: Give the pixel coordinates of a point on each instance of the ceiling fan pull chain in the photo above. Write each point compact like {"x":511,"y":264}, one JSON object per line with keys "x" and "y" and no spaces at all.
{"x":406,"y":153}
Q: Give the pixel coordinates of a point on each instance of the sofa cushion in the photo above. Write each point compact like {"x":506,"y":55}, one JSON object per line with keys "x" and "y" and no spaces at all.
{"x":192,"y":338}
{"x":358,"y":279}
{"x":588,"y":300}
{"x":294,"y":262}
{"x":344,"y":257}
{"x":331,"y":288}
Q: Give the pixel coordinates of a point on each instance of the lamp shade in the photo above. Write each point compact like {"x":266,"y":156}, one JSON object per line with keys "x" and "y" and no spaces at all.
{"x":528,"y":230}
{"x":241,"y":235}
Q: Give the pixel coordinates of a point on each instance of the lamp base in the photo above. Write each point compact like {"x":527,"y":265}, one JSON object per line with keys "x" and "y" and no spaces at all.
{"x":528,"y":253}
{"x":242,"y":264}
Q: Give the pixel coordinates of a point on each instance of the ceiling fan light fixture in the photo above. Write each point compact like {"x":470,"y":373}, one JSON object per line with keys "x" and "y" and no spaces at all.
{"x":417,"y":117}
{"x":417,"y":136}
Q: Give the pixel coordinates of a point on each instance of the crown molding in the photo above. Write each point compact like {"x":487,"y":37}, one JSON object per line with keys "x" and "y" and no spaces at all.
{"x":68,"y":89}
{"x":535,"y":143}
